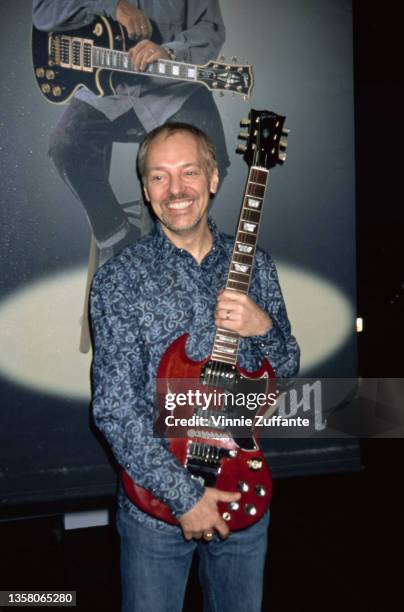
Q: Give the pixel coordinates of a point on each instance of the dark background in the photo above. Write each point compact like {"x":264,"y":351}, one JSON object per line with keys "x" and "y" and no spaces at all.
{"x":334,"y":539}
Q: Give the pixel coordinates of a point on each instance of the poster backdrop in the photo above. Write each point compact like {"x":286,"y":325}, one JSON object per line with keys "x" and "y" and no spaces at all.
{"x":301,"y":53}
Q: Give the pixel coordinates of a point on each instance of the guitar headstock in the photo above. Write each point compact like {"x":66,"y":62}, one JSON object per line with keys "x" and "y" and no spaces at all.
{"x":232,"y":77}
{"x":266,"y":139}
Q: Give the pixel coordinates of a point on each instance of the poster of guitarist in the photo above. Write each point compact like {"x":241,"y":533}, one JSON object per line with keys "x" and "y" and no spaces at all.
{"x":81,"y":144}
{"x":167,"y":284}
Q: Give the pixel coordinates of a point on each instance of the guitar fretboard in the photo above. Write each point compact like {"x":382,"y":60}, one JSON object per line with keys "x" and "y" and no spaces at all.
{"x":122,"y":62}
{"x":226,"y":343}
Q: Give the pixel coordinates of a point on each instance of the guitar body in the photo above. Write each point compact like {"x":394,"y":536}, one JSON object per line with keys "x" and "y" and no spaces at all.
{"x":227,"y":463}
{"x":57,"y":77}
{"x":95,"y":56}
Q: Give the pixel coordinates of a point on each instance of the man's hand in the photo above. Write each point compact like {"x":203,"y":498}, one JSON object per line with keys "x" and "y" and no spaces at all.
{"x":134,"y":20}
{"x":146,"y":52}
{"x":204,"y":517}
{"x":239,"y":313}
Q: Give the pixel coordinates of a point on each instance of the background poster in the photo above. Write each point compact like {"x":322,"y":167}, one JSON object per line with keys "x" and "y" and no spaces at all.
{"x":301,"y":53}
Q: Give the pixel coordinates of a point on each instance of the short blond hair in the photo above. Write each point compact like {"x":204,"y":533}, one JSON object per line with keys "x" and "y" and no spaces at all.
{"x":168,"y":129}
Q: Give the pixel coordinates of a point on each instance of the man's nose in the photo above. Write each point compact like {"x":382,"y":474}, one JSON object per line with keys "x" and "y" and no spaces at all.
{"x":175,"y":184}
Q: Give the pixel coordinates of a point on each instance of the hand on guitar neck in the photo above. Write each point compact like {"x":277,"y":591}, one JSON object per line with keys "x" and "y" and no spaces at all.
{"x":204,"y":517}
{"x":239,"y":313}
{"x":138,"y":26}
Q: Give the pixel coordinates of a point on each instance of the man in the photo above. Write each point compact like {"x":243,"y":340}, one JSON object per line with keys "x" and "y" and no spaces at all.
{"x":81,"y":144}
{"x":167,"y":283}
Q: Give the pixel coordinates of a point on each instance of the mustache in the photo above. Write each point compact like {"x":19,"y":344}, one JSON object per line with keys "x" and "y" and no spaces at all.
{"x":175,"y":197}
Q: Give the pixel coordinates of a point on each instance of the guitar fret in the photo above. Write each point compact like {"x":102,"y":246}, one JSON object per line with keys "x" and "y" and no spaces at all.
{"x":255,"y":190}
{"x":223,"y":358}
{"x":237,"y":285}
{"x":246,"y":238}
{"x":256,"y":183}
{"x":227,"y":339}
{"x":241,"y":268}
{"x":259,"y":175}
{"x":251,"y":215}
{"x":244,"y":258}
{"x":244,"y":248}
{"x":239,"y":277}
{"x":249,"y":227}
{"x":253,"y":203}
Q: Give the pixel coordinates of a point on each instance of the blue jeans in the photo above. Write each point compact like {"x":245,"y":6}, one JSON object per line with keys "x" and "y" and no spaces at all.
{"x":155,"y":567}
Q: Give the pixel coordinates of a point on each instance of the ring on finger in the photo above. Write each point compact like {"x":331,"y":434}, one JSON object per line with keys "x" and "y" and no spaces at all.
{"x":208,"y":535}
{"x":227,"y":315}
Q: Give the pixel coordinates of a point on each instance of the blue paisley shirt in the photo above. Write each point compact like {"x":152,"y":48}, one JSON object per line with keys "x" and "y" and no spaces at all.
{"x":141,"y":301}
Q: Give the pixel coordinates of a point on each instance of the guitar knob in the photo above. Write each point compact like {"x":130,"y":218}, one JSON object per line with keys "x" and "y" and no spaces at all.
{"x":40,"y":73}
{"x":241,"y":148}
{"x":56,"y":91}
{"x":226,"y":516}
{"x":234,"y":506}
{"x":250,"y":509}
{"x":50,"y":74}
{"x":45,"y":88}
{"x":260,"y":491}
{"x":243,"y":486}
{"x":214,"y":84}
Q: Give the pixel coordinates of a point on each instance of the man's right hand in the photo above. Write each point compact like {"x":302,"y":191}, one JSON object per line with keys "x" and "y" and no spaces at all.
{"x":204,"y":517}
{"x":134,"y":20}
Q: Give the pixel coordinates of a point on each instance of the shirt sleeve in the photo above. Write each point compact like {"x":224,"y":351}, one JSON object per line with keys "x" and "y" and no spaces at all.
{"x":120,"y":408}
{"x":49,"y":15}
{"x":278,"y":344}
{"x":204,"y":33}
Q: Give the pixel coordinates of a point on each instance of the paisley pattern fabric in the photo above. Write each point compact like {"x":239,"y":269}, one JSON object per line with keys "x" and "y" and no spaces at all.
{"x":142,"y":300}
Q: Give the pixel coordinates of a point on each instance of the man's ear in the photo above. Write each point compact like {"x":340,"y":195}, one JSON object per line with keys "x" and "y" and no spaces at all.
{"x":214,"y":181}
{"x":146,"y":193}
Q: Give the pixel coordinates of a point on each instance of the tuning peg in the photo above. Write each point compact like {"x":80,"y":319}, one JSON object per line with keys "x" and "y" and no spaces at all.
{"x":244,"y":122}
{"x":282,"y":157}
{"x":234,"y":59}
{"x":244,"y":135}
{"x":283,"y":143}
{"x":285,"y":131}
{"x":241,"y":148}
{"x":222,"y":58}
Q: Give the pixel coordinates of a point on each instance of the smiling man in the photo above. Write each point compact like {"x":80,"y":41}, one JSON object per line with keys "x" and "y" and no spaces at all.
{"x":165,"y":284}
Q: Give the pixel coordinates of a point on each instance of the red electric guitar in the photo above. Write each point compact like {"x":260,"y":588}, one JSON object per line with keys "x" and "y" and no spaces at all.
{"x":215,"y":456}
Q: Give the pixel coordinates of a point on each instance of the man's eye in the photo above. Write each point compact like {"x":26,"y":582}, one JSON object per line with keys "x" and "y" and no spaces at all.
{"x":156,"y":178}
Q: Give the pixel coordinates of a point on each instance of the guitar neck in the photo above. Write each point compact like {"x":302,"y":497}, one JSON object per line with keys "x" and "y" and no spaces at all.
{"x":121,"y":61}
{"x":226,"y":343}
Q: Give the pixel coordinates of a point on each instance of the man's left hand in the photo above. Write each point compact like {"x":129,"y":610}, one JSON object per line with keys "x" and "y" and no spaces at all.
{"x":146,"y":52}
{"x":239,"y":313}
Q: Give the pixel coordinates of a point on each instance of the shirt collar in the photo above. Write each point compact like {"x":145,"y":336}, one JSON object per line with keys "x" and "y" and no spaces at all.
{"x":164,"y":246}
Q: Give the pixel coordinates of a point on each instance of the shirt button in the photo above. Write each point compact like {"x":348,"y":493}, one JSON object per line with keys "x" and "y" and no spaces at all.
{"x":127,"y":466}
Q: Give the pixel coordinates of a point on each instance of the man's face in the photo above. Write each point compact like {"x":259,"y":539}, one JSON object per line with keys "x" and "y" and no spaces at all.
{"x":177,"y":182}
